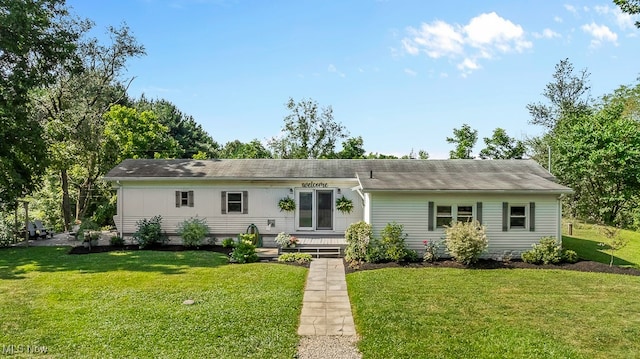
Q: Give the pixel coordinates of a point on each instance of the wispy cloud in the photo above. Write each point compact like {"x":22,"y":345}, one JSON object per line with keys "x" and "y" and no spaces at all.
{"x":623,"y":20}
{"x":570,"y":8}
{"x":484,"y":37}
{"x":600,"y":34}
{"x":546,"y":34}
{"x":334,"y":70}
{"x":410,"y":72}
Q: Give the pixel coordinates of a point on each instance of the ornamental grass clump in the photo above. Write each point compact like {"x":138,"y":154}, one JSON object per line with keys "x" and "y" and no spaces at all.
{"x":466,"y":241}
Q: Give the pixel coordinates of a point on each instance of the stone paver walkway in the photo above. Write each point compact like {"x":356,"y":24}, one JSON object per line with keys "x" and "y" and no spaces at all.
{"x":326,"y":309}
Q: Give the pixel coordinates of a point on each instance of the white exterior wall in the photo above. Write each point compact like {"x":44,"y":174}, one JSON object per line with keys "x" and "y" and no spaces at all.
{"x":139,"y":200}
{"x":412,"y":211}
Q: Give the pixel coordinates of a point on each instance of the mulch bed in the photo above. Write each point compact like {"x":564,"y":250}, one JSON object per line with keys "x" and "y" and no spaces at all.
{"x":581,"y":266}
{"x":133,"y":247}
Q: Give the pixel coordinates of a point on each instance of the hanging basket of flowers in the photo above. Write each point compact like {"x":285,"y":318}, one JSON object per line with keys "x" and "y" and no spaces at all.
{"x":344,"y":205}
{"x":287,"y":204}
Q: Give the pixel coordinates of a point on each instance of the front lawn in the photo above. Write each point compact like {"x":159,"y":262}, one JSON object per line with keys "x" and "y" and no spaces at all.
{"x":586,"y":238}
{"x":130,"y":304}
{"x":501,"y":313}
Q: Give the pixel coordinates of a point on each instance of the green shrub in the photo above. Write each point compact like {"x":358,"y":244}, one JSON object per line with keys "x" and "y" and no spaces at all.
{"x":358,"y":235}
{"x":466,"y":241}
{"x":149,"y":232}
{"x":569,"y":256}
{"x":546,"y":251}
{"x":87,"y":225}
{"x":430,"y":251}
{"x":244,"y":252}
{"x":549,"y":251}
{"x":301,"y":258}
{"x":116,"y":241}
{"x":228,"y":243}
{"x":411,"y":255}
{"x":193,"y":231}
{"x":251,"y":237}
{"x":375,"y":252}
{"x":393,"y":237}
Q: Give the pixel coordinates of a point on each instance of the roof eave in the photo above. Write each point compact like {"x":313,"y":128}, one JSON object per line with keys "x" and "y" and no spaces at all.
{"x":492,"y":191}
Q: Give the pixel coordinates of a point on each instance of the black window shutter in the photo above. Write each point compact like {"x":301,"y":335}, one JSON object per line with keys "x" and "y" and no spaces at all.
{"x":190,"y":199}
{"x":223,"y":202}
{"x":245,"y":202}
{"x":479,"y":212}
{"x":431,"y":217}
{"x":178,"y":198}
{"x":532,"y":216}
{"x":505,"y":216}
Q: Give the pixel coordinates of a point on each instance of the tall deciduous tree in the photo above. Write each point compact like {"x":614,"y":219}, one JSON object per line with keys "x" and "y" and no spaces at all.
{"x":73,"y":110}
{"x":191,"y":137}
{"x":252,"y":149}
{"x":352,"y":148}
{"x":631,"y":7}
{"x":309,"y":132}
{"x":36,"y":36}
{"x":502,"y":146}
{"x":464,"y":138}
{"x":567,"y":95}
{"x":598,"y":155}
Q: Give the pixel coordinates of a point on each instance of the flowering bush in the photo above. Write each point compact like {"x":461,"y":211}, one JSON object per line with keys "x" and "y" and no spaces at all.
{"x":466,"y":241}
{"x":285,"y":240}
{"x":300,"y":258}
{"x":430,"y":251}
{"x":244,"y":252}
{"x":358,"y":235}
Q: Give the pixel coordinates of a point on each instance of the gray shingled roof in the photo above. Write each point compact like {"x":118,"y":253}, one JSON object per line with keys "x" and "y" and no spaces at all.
{"x":425,"y":175}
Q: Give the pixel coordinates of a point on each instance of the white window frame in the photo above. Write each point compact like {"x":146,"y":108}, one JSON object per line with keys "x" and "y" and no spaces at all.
{"x":525,"y":216}
{"x":241,"y":201}
{"x":454,"y":212}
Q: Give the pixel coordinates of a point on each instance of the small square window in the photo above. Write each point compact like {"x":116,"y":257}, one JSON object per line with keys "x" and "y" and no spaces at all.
{"x":234,"y":202}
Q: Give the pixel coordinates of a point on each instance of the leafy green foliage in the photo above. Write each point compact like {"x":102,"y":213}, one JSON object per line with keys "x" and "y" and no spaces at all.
{"x":237,"y":149}
{"x":287,"y":204}
{"x":548,"y":251}
{"x":392,"y":240}
{"x":431,"y":249}
{"x":87,"y":225}
{"x":358,"y":235}
{"x":344,"y":205}
{"x":466,"y":241}
{"x":308,"y":132}
{"x":228,"y":243}
{"x":352,"y":148}
{"x":631,"y":7}
{"x":116,"y":241}
{"x":300,"y":258}
{"x":193,"y":231}
{"x":244,"y":252}
{"x":501,"y":146}
{"x":464,"y":138}
{"x":149,"y":232}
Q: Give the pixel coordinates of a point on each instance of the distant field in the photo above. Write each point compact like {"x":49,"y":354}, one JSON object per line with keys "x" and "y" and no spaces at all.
{"x":585,"y":241}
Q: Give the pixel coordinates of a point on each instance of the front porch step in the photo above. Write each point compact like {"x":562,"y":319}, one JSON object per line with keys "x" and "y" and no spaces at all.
{"x":316,"y":251}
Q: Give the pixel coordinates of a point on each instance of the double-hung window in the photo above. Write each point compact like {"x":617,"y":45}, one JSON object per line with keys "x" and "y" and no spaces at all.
{"x":184,"y":198}
{"x":448,"y":214}
{"x":234,"y":202}
{"x":517,"y":216}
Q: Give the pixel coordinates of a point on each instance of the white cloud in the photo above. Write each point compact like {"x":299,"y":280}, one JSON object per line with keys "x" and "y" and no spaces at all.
{"x":334,"y":70}
{"x":483,"y":37}
{"x":546,"y":34}
{"x":410,"y":72}
{"x":623,"y":20}
{"x":570,"y":8}
{"x":557,"y":19}
{"x":600,"y":34}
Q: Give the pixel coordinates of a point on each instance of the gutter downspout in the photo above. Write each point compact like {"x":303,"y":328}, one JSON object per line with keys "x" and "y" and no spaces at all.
{"x":120,"y":209}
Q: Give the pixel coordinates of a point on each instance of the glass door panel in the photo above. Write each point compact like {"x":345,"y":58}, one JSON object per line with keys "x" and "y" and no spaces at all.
{"x":325,"y":209}
{"x":305,"y":210}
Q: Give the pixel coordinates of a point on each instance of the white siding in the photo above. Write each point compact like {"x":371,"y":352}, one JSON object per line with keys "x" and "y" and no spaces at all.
{"x":145,"y":200}
{"x":411,"y":210}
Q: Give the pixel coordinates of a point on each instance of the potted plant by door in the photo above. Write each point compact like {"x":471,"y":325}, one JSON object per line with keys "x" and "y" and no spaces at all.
{"x":287,"y":204}
{"x":344,"y":205}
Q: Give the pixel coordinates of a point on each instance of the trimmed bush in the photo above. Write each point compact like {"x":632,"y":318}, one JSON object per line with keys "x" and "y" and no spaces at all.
{"x":358,"y":235}
{"x":193,"y":231}
{"x":116,"y":241}
{"x":375,"y":252}
{"x":149,"y":232}
{"x":300,"y":258}
{"x":228,"y":243}
{"x":393,"y":237}
{"x":466,"y":241}
{"x":548,"y":251}
{"x":244,"y":252}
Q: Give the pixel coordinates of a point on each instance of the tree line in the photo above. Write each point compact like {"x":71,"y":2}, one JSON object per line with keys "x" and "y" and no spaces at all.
{"x":67,"y":119}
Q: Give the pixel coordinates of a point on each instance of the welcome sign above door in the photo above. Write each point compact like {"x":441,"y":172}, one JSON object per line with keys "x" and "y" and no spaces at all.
{"x":315,"y":185}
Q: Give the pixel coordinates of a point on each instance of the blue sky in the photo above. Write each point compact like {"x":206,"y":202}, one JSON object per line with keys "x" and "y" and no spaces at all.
{"x":400,"y":73}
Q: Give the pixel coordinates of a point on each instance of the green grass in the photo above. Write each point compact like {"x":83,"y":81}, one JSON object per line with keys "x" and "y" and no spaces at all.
{"x":129,"y":304}
{"x":505,"y":313}
{"x":585,"y":240}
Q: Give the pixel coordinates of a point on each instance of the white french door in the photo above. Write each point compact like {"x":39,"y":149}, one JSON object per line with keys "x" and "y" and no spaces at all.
{"x":315,"y":210}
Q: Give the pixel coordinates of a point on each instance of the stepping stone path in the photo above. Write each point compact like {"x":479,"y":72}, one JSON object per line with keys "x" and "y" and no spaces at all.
{"x":326,"y":309}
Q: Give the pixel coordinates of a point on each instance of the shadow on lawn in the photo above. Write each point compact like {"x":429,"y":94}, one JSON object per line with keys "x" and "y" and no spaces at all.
{"x":15,"y":262}
{"x":590,"y":250}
